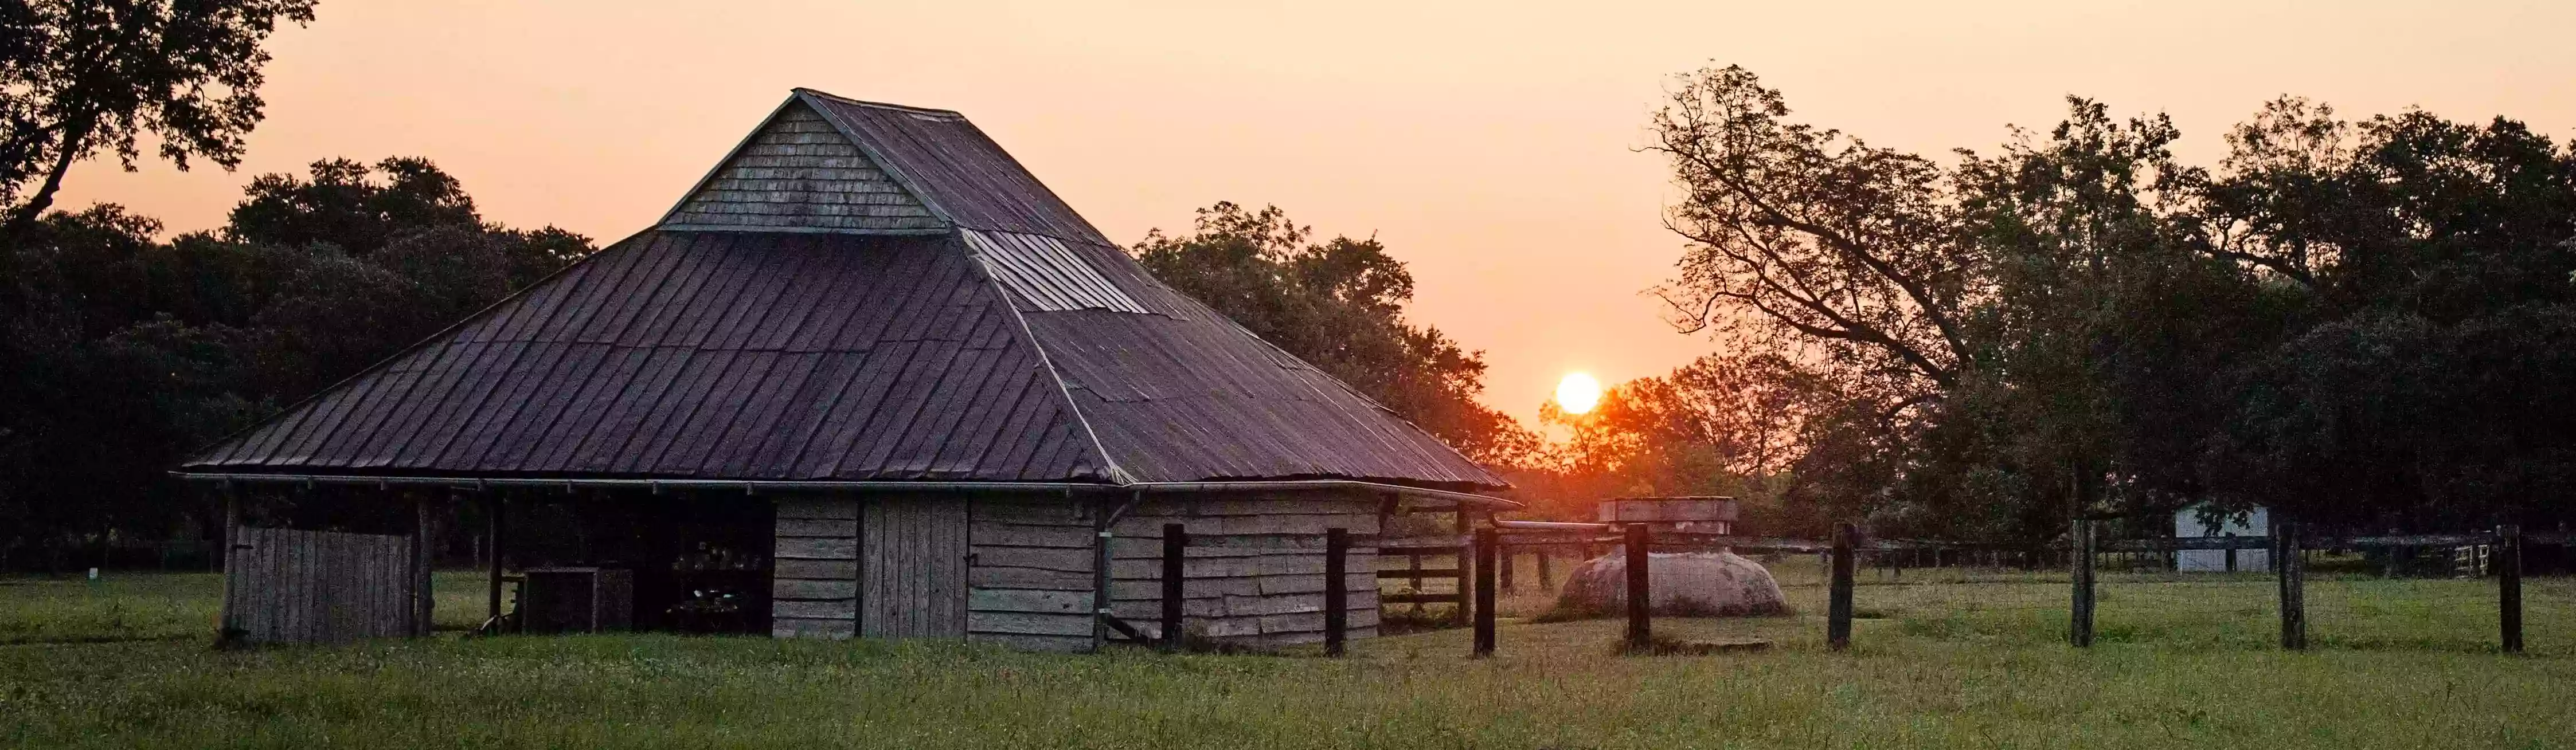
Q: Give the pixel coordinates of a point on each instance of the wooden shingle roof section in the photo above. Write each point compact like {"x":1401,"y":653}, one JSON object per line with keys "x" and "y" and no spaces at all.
{"x":995,"y":336}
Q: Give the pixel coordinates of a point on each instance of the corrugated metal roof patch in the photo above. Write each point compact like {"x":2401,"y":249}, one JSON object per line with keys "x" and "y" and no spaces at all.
{"x":1046,"y":273}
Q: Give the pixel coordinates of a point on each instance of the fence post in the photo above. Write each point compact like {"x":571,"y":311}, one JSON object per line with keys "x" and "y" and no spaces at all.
{"x":1546,"y":579}
{"x":2294,"y":607}
{"x":2080,"y":540}
{"x":1175,"y":541}
{"x":1640,"y":596}
{"x":1838,"y":603}
{"x":2508,"y":567}
{"x":1337,"y":594}
{"x":1487,"y":547}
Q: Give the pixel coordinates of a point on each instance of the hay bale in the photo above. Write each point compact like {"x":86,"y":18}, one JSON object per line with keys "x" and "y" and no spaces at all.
{"x":1684,"y":584}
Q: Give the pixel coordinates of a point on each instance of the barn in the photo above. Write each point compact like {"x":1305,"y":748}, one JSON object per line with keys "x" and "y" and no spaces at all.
{"x":868,"y":377}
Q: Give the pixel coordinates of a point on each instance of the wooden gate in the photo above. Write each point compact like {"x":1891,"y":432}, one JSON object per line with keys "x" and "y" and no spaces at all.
{"x":912,"y":568}
{"x":292,"y":586}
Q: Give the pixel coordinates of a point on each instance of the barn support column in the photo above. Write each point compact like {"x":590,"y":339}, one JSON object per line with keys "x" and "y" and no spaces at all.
{"x":498,"y":527}
{"x":225,"y":629}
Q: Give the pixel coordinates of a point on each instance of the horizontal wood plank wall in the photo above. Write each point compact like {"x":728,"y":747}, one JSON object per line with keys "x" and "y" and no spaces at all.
{"x":1030,"y":573}
{"x":1255,"y":564}
{"x":814,"y":581}
{"x":293,"y":586}
{"x":912,"y":566}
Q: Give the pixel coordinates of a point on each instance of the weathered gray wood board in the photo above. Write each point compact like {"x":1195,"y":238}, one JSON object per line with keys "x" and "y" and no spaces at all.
{"x":292,"y":586}
{"x":1254,"y":565}
{"x":1030,"y":572}
{"x":814,"y":575}
{"x":912,"y":567}
{"x":798,"y":172}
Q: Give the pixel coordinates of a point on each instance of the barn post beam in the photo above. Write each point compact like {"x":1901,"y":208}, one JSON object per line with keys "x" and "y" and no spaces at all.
{"x":497,"y":527}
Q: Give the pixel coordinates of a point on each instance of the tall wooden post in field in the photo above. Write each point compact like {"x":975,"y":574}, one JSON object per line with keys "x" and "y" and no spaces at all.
{"x":2508,"y":567}
{"x":2080,"y":629}
{"x":1487,"y":547}
{"x":1640,"y":596}
{"x":1838,"y":603}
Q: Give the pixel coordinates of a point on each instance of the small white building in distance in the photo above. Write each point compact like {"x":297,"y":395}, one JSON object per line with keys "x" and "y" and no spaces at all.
{"x":2254,"y":523}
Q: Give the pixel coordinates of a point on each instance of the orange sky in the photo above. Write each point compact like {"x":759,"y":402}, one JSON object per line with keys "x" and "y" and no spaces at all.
{"x":1489,"y":146}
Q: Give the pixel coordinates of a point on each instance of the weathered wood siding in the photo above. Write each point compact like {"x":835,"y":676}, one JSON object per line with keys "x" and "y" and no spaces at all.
{"x":293,"y":586}
{"x":798,"y":172}
{"x":912,"y":566}
{"x":1254,"y":566}
{"x":814,"y":575}
{"x":1030,"y":573}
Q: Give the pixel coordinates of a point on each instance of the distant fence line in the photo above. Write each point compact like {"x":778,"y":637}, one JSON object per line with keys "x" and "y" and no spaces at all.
{"x":2075,"y":561}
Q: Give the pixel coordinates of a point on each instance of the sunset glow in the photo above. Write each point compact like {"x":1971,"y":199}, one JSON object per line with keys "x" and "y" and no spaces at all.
{"x":1577,"y":393}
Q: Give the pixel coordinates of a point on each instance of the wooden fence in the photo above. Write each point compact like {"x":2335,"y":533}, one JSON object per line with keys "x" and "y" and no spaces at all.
{"x":293,"y":586}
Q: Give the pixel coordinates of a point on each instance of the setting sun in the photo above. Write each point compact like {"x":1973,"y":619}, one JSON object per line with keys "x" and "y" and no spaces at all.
{"x":1577,"y":393}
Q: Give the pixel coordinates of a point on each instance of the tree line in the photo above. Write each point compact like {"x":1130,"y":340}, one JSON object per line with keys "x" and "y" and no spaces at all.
{"x":2364,"y":322}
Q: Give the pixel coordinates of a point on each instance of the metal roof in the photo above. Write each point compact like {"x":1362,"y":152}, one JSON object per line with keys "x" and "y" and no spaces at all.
{"x":1032,"y":351}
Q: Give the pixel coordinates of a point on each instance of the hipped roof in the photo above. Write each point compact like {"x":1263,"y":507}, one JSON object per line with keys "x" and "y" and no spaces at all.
{"x":861,"y":292}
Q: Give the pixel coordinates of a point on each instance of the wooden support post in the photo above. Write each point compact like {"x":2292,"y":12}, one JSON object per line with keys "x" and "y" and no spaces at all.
{"x":231,"y":536}
{"x":421,"y":534}
{"x":2508,"y":568}
{"x":2231,"y":552}
{"x":1838,"y":602}
{"x":2079,"y":630}
{"x":1175,"y":541}
{"x":1640,"y":596}
{"x":499,"y":525}
{"x":1546,"y":578}
{"x":1413,"y":565}
{"x":1337,"y":593}
{"x":1488,"y":545}
{"x":1503,"y":567}
{"x":2294,"y":607}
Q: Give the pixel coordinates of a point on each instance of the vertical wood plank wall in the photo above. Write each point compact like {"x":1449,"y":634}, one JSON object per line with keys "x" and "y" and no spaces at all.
{"x":1030,"y":570}
{"x":814,"y":583}
{"x":1255,"y":564}
{"x":912,"y":566}
{"x":293,"y":586}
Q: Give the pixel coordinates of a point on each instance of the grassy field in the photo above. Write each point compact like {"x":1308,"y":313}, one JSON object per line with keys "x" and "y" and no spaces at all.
{"x":1949,"y":664}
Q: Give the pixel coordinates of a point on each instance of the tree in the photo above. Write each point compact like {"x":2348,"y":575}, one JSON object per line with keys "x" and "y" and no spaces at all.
{"x":90,"y":75}
{"x":1338,"y":305}
{"x":122,"y":352}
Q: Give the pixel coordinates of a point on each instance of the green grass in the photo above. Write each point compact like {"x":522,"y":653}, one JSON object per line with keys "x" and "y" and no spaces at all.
{"x":1974,"y":667}
{"x":165,"y":606}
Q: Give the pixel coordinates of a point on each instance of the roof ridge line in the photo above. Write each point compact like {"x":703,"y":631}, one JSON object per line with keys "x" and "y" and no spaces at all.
{"x":879,"y":105}
{"x":1117,"y":475}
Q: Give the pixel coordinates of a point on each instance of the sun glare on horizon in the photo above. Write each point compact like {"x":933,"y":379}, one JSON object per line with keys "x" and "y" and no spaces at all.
{"x":1577,"y":393}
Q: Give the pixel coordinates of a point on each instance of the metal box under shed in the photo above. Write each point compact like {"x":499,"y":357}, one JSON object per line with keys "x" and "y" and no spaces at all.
{"x":578,"y":600}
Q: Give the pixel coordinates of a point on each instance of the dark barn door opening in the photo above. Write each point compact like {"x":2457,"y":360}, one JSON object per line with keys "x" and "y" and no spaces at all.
{"x":700,"y":560}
